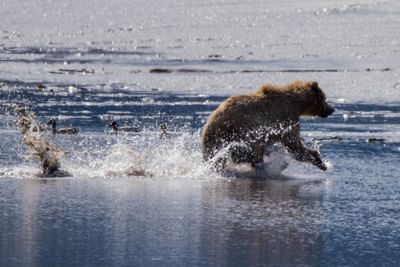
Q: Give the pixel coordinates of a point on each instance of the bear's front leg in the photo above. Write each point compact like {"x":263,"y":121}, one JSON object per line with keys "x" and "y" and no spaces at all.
{"x":316,"y":160}
{"x":292,"y":142}
{"x":302,"y":153}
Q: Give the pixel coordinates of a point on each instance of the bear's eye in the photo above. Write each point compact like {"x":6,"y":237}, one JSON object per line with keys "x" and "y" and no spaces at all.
{"x":319,"y":98}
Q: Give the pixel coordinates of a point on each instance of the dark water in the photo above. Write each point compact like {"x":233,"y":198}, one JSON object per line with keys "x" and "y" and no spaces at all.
{"x":185,"y":215}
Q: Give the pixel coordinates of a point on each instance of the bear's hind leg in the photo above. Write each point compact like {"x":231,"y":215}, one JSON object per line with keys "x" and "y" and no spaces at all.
{"x":237,"y":153}
{"x":242,"y":153}
{"x":219,"y":164}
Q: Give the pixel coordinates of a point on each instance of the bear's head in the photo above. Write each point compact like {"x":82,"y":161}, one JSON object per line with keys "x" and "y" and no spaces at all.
{"x":304,"y":96}
{"x":316,"y":100}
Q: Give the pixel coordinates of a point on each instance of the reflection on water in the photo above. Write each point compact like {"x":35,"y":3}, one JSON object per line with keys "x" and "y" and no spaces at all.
{"x":179,"y":222}
{"x":163,"y":222}
{"x":255,"y":223}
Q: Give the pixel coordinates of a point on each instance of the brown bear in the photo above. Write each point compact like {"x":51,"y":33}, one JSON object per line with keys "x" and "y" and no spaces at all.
{"x":243,"y":127}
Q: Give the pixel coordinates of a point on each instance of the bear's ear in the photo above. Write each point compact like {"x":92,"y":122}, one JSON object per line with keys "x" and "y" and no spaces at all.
{"x":314,"y":87}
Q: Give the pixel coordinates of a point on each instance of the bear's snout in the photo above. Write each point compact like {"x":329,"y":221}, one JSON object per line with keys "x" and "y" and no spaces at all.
{"x":328,"y":111}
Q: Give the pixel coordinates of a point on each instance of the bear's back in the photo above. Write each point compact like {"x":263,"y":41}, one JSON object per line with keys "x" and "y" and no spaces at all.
{"x":254,"y":108}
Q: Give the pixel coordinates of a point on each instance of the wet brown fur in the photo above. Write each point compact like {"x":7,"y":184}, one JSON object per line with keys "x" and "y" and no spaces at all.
{"x":269,"y":115}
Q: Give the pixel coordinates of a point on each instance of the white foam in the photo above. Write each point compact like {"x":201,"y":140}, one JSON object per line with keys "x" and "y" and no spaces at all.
{"x":329,"y":165}
{"x":123,"y":160}
{"x":145,"y":155}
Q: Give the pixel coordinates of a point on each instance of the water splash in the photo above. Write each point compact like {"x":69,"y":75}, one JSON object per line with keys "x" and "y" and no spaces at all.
{"x":123,"y":160}
{"x":143,"y":154}
{"x":40,"y":149}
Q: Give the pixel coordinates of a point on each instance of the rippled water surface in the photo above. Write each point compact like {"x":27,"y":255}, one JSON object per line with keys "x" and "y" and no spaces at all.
{"x":160,"y":62}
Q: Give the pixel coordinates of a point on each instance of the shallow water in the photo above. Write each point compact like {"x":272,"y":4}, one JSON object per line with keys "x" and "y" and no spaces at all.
{"x":147,"y":63}
{"x":184,"y":213}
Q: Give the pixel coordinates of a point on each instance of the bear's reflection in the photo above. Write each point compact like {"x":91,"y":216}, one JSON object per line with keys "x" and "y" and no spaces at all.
{"x":274,"y":222}
{"x":241,"y":222}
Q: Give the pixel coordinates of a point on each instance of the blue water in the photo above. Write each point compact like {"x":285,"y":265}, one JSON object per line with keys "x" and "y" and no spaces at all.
{"x":186,"y":215}
{"x":147,"y":63}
